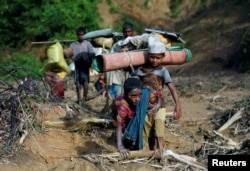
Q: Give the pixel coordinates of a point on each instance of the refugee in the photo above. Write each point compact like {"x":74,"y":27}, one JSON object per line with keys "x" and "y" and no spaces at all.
{"x":83,"y":57}
{"x":154,"y":76}
{"x":115,"y":79}
{"x":128,"y":29}
{"x":123,"y":111}
{"x":100,"y":86}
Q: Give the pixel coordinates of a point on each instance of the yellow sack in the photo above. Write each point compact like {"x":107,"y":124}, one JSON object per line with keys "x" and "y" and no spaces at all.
{"x":104,"y":42}
{"x":56,"y":62}
{"x":165,"y":40}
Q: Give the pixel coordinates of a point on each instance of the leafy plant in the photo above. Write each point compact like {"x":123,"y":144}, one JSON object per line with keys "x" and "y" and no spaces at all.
{"x":44,"y":20}
{"x":114,"y":9}
{"x":175,"y":8}
{"x":24,"y":63}
{"x":240,"y":60}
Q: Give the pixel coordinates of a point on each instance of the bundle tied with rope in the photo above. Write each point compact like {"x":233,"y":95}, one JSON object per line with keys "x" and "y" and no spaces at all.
{"x":138,"y":54}
{"x":175,"y":55}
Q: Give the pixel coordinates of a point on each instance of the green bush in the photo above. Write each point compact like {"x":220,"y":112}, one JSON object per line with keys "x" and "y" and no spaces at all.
{"x":38,"y":20}
{"x":240,"y":59}
{"x":24,"y":64}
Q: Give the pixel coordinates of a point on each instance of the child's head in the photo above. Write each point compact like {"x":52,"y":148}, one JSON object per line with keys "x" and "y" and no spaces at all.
{"x":133,"y":90}
{"x":156,"y":53}
{"x":80,"y":32}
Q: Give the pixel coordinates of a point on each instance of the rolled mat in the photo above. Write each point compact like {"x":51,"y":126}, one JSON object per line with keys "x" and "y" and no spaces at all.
{"x":98,"y":33}
{"x":175,"y":55}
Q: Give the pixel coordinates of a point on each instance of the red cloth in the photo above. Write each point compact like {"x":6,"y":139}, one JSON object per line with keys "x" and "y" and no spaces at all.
{"x":56,"y":84}
{"x":121,"y":111}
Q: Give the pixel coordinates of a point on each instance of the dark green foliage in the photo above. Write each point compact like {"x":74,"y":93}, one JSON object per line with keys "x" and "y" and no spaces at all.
{"x":175,"y":7}
{"x":41,"y":20}
{"x":240,"y":60}
{"x":24,"y":62}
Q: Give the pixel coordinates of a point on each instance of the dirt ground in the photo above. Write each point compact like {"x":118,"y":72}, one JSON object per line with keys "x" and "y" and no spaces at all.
{"x":61,"y":149}
{"x":206,"y":89}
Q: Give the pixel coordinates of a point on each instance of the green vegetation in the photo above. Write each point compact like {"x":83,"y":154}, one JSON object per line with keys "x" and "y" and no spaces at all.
{"x":114,"y":9}
{"x":217,"y":26}
{"x":38,"y":20}
{"x":175,"y":8}
{"x":24,"y":61}
{"x":146,"y":4}
{"x":202,"y":6}
{"x":242,"y":103}
{"x":240,"y":60}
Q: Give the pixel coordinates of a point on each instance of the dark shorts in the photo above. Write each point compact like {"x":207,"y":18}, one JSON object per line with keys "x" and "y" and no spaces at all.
{"x":81,"y":76}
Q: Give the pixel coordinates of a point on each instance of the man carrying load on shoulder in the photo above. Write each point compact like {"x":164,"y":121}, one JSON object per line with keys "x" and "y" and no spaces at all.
{"x":83,"y":57}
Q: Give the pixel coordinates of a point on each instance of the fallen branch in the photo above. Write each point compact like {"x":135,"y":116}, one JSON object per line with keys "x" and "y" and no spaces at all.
{"x":185,"y":159}
{"x":67,"y":124}
{"x":132,"y":155}
{"x":218,"y":146}
{"x":158,"y":155}
{"x":235,"y":117}
{"x":222,"y":89}
{"x":229,"y":141}
{"x":97,"y":162}
{"x":213,"y":98}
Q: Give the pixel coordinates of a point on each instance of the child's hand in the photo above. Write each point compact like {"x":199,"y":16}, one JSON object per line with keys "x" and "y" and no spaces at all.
{"x":177,"y":112}
{"x":124,"y":152}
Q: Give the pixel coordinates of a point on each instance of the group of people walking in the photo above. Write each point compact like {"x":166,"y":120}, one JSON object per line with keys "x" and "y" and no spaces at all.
{"x":138,"y":105}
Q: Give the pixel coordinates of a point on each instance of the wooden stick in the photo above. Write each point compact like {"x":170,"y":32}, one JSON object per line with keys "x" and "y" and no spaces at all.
{"x":229,"y":141}
{"x":235,"y":117}
{"x":185,"y":159}
{"x":48,"y":42}
{"x":157,"y":154}
{"x":132,"y":155}
{"x":65,"y":124}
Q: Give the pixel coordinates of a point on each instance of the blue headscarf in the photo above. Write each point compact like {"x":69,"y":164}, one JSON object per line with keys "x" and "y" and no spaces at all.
{"x":134,"y":130}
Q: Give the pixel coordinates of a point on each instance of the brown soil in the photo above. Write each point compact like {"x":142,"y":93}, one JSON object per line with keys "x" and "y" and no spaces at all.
{"x":205,"y":86}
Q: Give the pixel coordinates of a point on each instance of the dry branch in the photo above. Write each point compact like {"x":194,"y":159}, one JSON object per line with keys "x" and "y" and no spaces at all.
{"x":132,"y":155}
{"x":184,"y":159}
{"x":67,"y":124}
{"x":235,"y":117}
{"x":229,"y":141}
{"x":158,"y":155}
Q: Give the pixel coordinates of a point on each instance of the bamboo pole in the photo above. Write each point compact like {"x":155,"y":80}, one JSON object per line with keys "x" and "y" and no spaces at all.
{"x":48,"y":42}
{"x":67,"y":124}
